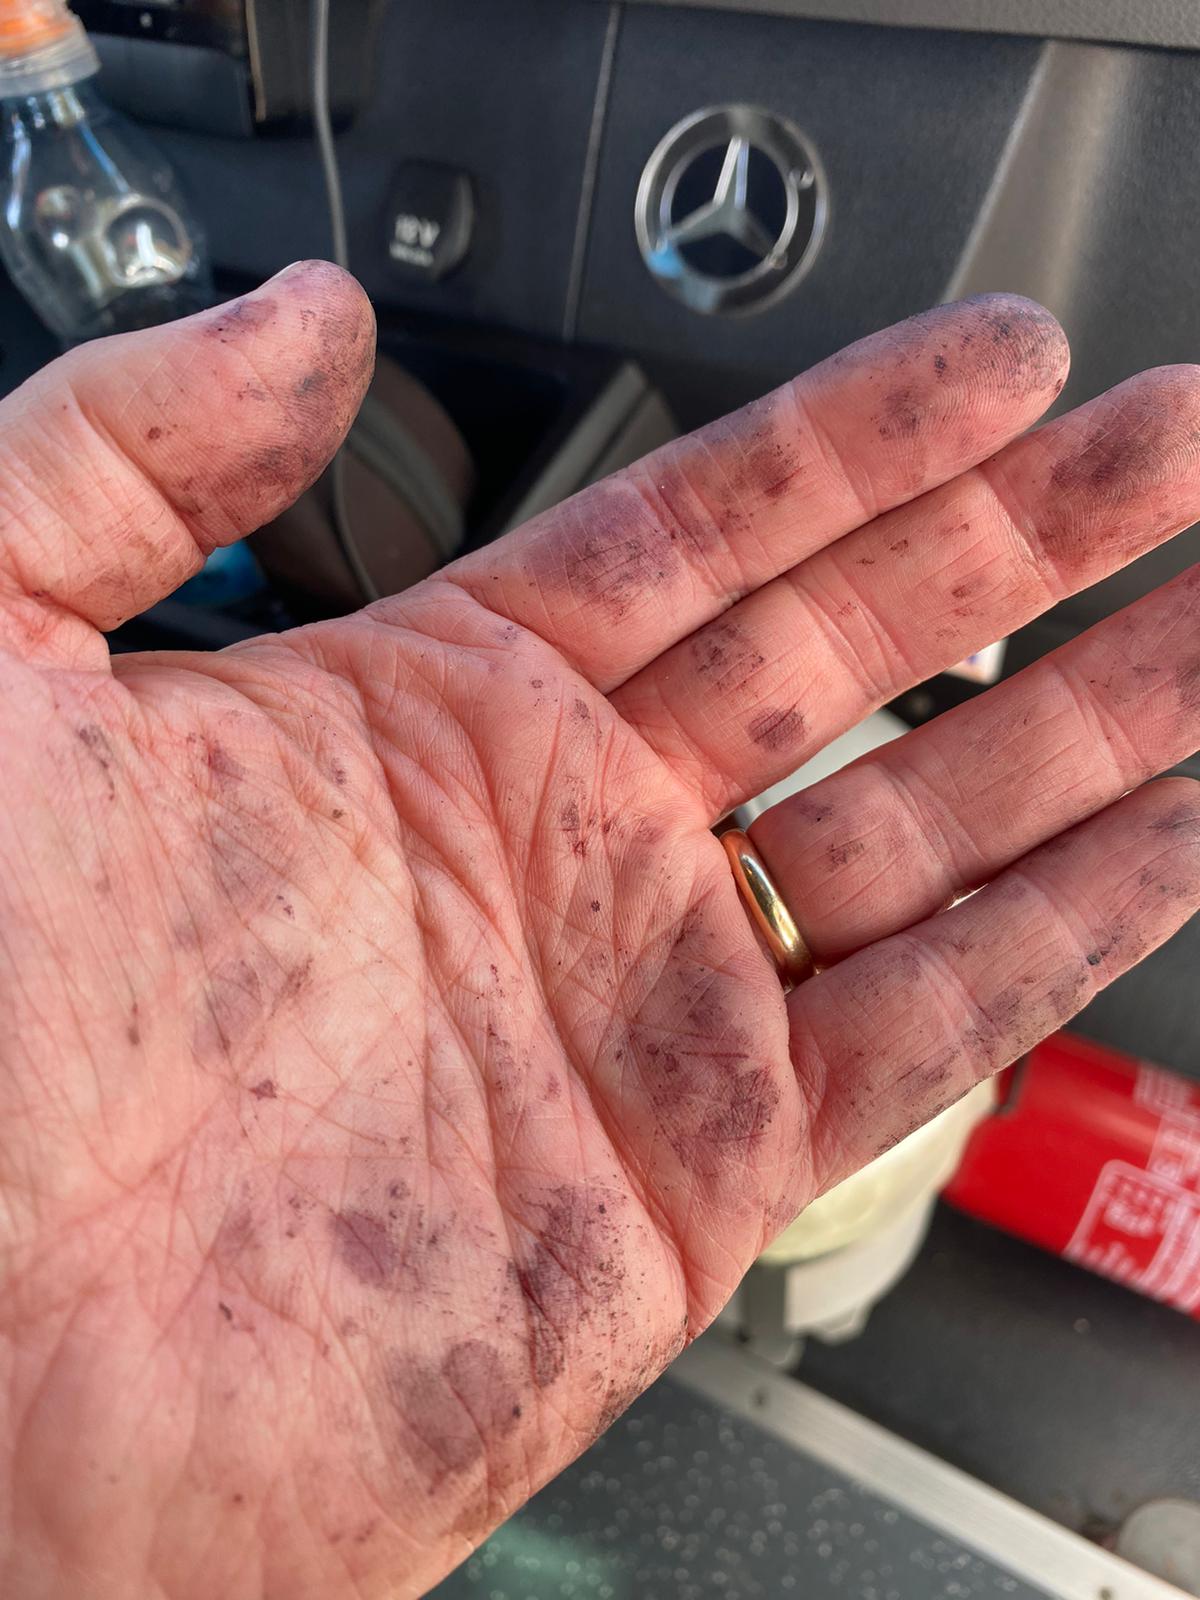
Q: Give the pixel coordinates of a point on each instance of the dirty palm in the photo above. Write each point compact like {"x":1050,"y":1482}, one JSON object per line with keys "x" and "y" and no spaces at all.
{"x":392,"y":1082}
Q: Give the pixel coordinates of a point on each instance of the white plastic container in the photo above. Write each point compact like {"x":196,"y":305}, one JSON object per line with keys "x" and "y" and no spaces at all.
{"x":847,"y":1249}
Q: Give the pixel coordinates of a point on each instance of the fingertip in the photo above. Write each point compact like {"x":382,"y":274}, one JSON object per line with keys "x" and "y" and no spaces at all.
{"x":284,"y":367}
{"x":1173,"y":805}
{"x":1017,"y":336}
{"x":1165,"y":817}
{"x":975,"y":372}
{"x":310,"y":303}
{"x":327,"y":280}
{"x":1135,"y":449}
{"x":309,"y":333}
{"x":337,"y":318}
{"x":1168,"y":398}
{"x":1008,"y":303}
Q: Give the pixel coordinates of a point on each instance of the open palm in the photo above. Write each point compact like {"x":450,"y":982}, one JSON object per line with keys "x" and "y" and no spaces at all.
{"x":391,"y":1081}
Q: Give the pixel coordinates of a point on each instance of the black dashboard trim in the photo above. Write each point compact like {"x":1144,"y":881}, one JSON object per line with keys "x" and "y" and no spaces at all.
{"x":1172,"y":24}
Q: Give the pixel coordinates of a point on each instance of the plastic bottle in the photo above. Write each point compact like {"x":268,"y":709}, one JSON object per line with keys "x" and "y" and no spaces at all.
{"x":93,"y":228}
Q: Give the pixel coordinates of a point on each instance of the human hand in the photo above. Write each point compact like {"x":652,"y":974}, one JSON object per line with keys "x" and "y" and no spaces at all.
{"x":392,"y":1081}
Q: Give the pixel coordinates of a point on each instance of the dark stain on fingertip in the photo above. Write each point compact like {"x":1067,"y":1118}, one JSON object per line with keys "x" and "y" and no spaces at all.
{"x":776,"y":728}
{"x":264,"y":1089}
{"x":1067,"y":996}
{"x":1030,"y":345}
{"x":1184,"y":819}
{"x":1135,"y":442}
{"x":1108,"y":460}
{"x":246,"y":315}
{"x":900,"y":414}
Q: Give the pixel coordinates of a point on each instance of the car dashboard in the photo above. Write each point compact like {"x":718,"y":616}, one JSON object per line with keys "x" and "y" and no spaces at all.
{"x":527,"y":185}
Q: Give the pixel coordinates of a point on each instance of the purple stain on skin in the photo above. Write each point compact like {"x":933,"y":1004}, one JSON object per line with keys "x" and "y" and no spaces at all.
{"x":571,"y":1269}
{"x":776,"y":728}
{"x":900,"y":415}
{"x":96,"y":742}
{"x":451,"y":1413}
{"x":366,"y":1248}
{"x":725,"y":654}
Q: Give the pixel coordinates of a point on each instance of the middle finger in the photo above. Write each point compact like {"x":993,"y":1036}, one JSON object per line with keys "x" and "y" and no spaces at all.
{"x":747,"y":699}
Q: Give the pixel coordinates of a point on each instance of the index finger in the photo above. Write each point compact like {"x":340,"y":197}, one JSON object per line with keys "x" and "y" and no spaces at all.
{"x":624,"y":569}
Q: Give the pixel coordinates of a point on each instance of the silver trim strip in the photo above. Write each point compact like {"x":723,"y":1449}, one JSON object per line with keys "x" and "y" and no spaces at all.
{"x":966,"y":263}
{"x":1022,"y":1541}
{"x":591,"y":165}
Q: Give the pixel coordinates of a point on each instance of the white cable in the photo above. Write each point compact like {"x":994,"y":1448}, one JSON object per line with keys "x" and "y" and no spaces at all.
{"x":324,"y":130}
{"x":323,"y":127}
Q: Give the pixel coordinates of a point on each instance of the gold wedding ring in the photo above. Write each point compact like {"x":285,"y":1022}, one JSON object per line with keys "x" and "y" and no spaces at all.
{"x":768,"y":908}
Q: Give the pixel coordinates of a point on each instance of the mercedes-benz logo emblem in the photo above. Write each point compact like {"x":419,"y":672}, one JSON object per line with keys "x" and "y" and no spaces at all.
{"x":730,"y":209}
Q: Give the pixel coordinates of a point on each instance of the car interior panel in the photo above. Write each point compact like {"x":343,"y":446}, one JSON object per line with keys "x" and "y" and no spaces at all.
{"x":588,"y":227}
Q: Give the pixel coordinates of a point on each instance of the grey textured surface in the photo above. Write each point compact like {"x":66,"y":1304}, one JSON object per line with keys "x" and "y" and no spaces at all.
{"x":884,"y":111}
{"x":1153,"y":1012}
{"x":503,"y":91}
{"x":1159,"y":22}
{"x":1073,"y":1395}
{"x":1090,"y":211}
{"x":1059,"y":1389}
{"x":681,"y":1500}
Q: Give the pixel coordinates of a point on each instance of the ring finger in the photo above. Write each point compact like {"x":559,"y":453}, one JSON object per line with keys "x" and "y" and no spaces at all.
{"x":886,"y":841}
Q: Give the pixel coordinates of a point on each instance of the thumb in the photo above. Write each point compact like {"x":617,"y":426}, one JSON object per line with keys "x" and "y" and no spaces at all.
{"x":124,"y":463}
